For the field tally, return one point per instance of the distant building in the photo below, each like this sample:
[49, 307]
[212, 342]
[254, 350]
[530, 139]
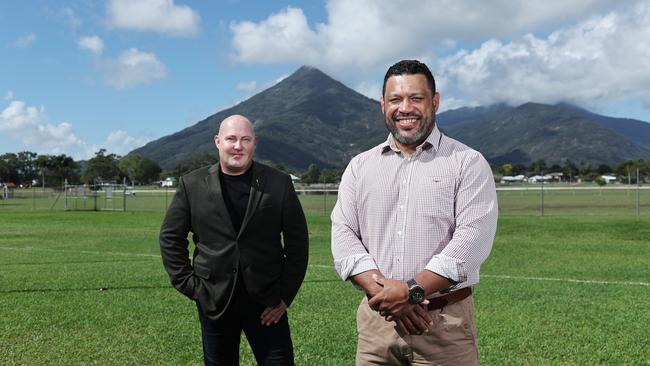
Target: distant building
[510, 179]
[295, 179]
[169, 182]
[554, 177]
[608, 178]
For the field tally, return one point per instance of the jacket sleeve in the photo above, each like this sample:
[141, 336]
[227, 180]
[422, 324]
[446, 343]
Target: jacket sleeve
[174, 244]
[296, 244]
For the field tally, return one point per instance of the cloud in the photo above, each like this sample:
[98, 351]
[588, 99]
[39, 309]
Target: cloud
[71, 18]
[93, 44]
[289, 31]
[371, 33]
[247, 87]
[161, 16]
[588, 52]
[121, 143]
[598, 60]
[25, 40]
[279, 79]
[30, 126]
[369, 89]
[9, 95]
[133, 67]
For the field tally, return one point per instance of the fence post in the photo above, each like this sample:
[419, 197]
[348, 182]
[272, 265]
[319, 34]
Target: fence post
[33, 198]
[65, 195]
[638, 188]
[542, 194]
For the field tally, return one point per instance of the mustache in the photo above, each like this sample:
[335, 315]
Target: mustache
[406, 115]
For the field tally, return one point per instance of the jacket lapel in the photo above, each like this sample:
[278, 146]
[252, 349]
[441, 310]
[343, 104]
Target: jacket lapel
[216, 196]
[257, 187]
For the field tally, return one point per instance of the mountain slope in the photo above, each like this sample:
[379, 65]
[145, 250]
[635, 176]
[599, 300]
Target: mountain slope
[555, 133]
[311, 118]
[306, 118]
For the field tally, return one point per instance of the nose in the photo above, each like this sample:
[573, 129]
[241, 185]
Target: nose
[238, 145]
[405, 106]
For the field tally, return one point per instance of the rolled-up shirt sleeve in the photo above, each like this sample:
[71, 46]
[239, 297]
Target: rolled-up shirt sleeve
[476, 213]
[350, 255]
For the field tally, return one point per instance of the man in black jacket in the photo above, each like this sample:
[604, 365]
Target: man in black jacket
[251, 249]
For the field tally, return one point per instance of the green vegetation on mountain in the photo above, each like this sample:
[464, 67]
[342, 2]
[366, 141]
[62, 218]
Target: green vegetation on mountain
[310, 118]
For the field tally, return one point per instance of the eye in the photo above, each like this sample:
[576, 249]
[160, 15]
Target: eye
[417, 99]
[231, 139]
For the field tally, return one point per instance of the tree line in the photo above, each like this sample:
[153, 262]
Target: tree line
[625, 171]
[26, 168]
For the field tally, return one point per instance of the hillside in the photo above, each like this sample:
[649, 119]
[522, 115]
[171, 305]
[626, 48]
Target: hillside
[535, 131]
[306, 118]
[311, 118]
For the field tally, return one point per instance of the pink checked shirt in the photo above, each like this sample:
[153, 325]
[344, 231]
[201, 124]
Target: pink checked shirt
[435, 209]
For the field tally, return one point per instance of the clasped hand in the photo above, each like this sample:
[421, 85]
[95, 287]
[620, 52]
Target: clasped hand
[392, 303]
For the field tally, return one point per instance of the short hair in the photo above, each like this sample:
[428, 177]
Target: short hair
[410, 67]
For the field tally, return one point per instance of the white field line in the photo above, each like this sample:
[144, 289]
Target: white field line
[82, 252]
[572, 280]
[626, 283]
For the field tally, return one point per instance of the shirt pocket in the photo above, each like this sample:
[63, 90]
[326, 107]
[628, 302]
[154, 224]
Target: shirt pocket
[436, 196]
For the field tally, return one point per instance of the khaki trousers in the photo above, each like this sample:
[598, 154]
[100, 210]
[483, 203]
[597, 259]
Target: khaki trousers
[451, 339]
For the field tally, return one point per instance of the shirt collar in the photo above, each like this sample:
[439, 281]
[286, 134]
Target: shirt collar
[431, 142]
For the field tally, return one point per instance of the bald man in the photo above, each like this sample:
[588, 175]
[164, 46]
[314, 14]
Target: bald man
[250, 249]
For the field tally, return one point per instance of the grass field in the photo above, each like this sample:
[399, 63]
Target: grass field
[80, 288]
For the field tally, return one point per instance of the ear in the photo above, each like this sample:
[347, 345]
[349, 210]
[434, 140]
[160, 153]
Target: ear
[381, 104]
[436, 102]
[217, 141]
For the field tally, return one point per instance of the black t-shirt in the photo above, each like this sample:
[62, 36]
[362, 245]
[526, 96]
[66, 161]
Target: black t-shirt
[236, 191]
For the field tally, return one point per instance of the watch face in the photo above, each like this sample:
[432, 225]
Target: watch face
[416, 294]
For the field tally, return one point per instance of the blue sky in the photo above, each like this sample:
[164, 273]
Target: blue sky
[76, 76]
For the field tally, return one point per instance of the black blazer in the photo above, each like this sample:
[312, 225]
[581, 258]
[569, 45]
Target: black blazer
[270, 270]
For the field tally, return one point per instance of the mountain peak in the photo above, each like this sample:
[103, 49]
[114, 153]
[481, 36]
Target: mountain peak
[309, 76]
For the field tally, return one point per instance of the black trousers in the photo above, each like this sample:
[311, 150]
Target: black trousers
[271, 345]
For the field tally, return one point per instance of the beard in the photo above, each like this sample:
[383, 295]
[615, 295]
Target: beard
[424, 128]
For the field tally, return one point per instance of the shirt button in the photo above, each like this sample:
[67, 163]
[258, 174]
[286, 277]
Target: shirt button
[399, 232]
[401, 207]
[404, 181]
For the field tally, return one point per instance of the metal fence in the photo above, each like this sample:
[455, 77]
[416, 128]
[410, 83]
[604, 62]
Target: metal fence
[525, 199]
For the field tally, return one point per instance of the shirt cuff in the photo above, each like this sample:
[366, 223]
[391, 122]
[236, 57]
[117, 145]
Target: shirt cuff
[353, 265]
[451, 268]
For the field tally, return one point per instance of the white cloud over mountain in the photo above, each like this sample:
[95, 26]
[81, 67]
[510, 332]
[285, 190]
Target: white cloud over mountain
[600, 59]
[162, 16]
[502, 51]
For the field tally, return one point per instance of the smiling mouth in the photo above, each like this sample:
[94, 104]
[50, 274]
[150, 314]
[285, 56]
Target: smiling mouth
[407, 122]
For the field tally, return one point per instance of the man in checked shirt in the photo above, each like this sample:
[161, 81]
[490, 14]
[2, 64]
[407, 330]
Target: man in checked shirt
[415, 218]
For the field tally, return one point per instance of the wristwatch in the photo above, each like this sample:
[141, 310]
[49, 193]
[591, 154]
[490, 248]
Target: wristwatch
[416, 292]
